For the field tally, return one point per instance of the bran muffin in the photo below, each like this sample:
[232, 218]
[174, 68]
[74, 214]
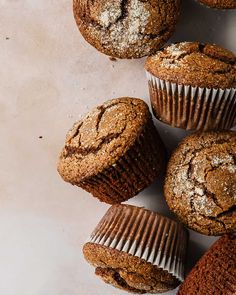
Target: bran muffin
[200, 185]
[215, 272]
[114, 152]
[126, 28]
[220, 4]
[138, 250]
[193, 86]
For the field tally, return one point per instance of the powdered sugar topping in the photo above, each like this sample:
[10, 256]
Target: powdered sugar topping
[227, 161]
[110, 13]
[125, 25]
[191, 181]
[175, 51]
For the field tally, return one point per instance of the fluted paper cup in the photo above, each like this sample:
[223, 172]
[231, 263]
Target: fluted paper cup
[192, 108]
[144, 234]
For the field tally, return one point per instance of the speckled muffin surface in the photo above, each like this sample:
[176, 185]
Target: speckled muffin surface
[195, 64]
[215, 272]
[128, 272]
[221, 4]
[104, 135]
[137, 250]
[104, 151]
[126, 29]
[200, 185]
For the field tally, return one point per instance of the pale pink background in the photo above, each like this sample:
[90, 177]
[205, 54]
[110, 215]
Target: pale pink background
[49, 76]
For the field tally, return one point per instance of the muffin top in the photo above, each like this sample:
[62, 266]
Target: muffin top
[224, 4]
[215, 271]
[102, 137]
[127, 272]
[194, 64]
[126, 29]
[200, 185]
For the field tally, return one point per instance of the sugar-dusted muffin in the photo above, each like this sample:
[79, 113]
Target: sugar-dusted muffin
[114, 152]
[126, 29]
[200, 184]
[220, 4]
[138, 250]
[215, 272]
[193, 86]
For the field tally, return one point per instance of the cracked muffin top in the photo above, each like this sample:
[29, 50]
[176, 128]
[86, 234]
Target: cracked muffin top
[194, 64]
[223, 4]
[126, 28]
[102, 137]
[200, 185]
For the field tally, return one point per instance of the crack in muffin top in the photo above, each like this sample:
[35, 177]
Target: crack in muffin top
[195, 64]
[200, 186]
[126, 28]
[102, 137]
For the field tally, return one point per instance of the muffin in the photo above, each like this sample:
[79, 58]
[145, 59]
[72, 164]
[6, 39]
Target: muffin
[200, 184]
[193, 86]
[137, 250]
[126, 29]
[114, 152]
[215, 272]
[221, 4]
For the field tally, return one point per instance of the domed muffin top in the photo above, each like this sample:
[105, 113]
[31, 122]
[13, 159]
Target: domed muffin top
[101, 137]
[126, 28]
[194, 64]
[200, 185]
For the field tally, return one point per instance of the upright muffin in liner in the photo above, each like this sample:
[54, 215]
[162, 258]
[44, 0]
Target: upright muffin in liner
[141, 233]
[116, 153]
[193, 86]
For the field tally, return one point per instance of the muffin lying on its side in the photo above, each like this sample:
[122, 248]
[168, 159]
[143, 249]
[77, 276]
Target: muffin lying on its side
[200, 185]
[138, 250]
[193, 86]
[114, 152]
[215, 272]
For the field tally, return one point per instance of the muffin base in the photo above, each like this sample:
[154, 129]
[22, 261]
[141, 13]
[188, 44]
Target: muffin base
[192, 108]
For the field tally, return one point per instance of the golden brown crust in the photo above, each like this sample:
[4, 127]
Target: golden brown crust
[128, 272]
[215, 272]
[220, 4]
[114, 152]
[126, 28]
[195, 64]
[102, 137]
[200, 185]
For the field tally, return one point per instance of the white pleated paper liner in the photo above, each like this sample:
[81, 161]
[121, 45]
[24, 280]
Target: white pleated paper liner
[192, 108]
[144, 234]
